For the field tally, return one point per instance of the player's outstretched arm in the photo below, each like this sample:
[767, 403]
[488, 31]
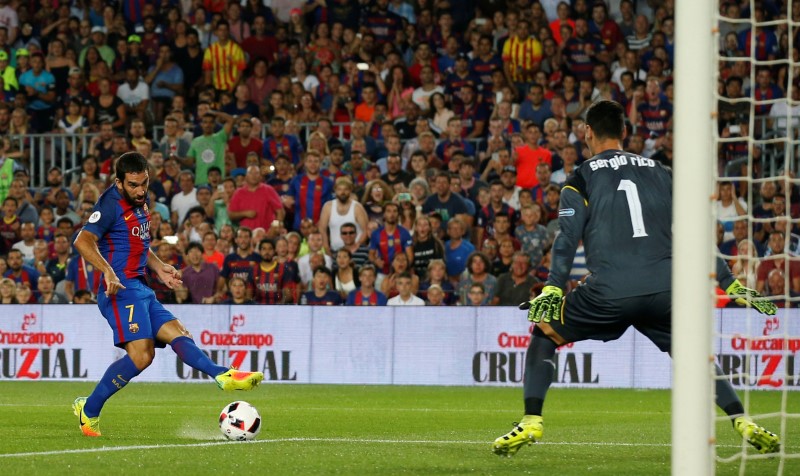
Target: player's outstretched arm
[86, 244]
[166, 272]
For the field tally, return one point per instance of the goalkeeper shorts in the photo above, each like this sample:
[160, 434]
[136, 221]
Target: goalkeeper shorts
[585, 315]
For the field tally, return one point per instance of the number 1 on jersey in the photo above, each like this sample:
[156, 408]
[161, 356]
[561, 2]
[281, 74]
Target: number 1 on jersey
[634, 206]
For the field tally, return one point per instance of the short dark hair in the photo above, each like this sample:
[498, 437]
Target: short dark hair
[323, 269]
[607, 119]
[194, 246]
[266, 240]
[130, 162]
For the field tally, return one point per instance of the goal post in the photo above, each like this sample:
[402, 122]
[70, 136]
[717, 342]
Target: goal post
[693, 417]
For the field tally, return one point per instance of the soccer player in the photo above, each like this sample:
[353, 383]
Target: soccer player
[116, 241]
[623, 215]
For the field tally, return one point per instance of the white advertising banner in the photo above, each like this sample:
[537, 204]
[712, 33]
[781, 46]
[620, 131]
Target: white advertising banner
[385, 345]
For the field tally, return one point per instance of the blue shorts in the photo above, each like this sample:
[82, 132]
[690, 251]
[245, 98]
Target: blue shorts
[133, 313]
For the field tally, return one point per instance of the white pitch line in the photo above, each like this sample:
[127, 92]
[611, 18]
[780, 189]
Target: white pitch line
[107, 449]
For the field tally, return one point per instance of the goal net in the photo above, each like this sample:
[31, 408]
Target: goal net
[753, 125]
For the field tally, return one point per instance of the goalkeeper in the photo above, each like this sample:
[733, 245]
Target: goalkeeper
[620, 206]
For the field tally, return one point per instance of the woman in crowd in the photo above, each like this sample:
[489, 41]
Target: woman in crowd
[505, 255]
[376, 194]
[400, 265]
[108, 107]
[437, 275]
[345, 275]
[440, 111]
[8, 291]
[478, 267]
[425, 247]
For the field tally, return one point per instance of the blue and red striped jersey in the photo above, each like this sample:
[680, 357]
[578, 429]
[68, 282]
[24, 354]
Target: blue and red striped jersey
[309, 196]
[123, 231]
[388, 245]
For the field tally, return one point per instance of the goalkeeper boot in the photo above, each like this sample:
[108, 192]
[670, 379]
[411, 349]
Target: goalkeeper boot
[238, 380]
[762, 439]
[89, 426]
[528, 431]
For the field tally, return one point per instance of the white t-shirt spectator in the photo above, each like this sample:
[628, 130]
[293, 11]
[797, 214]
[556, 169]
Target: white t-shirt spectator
[412, 301]
[421, 97]
[132, 97]
[304, 265]
[181, 204]
[26, 250]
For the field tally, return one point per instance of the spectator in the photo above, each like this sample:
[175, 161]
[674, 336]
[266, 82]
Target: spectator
[745, 265]
[134, 93]
[456, 249]
[40, 87]
[165, 80]
[522, 54]
[389, 240]
[478, 269]
[445, 203]
[536, 108]
[240, 263]
[515, 286]
[309, 191]
[27, 233]
[778, 258]
[8, 291]
[476, 295]
[366, 294]
[437, 276]
[428, 88]
[241, 106]
[47, 293]
[343, 209]
[435, 296]
[278, 143]
[453, 141]
[201, 278]
[400, 266]
[425, 247]
[529, 156]
[245, 142]
[19, 272]
[405, 296]
[223, 61]
[345, 274]
[275, 282]
[238, 292]
[320, 293]
[56, 267]
[729, 207]
[315, 247]
[256, 204]
[208, 150]
[359, 253]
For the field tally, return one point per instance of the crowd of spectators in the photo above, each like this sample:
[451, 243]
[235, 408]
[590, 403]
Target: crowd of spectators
[366, 152]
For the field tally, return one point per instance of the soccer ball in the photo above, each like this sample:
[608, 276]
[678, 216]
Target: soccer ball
[239, 421]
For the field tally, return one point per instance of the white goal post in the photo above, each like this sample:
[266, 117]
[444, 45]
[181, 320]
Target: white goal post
[693, 417]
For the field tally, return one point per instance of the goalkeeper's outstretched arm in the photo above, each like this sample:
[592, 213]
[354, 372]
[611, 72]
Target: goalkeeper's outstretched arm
[742, 295]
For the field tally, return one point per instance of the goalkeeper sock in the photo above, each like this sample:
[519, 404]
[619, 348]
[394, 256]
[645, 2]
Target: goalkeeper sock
[727, 399]
[192, 356]
[539, 371]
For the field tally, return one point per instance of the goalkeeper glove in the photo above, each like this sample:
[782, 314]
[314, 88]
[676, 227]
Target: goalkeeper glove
[545, 306]
[750, 297]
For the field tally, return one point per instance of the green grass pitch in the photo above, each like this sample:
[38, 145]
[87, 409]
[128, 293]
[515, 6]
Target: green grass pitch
[328, 429]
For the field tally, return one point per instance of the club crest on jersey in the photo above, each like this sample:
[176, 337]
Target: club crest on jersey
[566, 212]
[134, 328]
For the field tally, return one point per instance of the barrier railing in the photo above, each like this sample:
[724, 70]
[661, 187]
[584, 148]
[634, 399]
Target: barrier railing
[42, 151]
